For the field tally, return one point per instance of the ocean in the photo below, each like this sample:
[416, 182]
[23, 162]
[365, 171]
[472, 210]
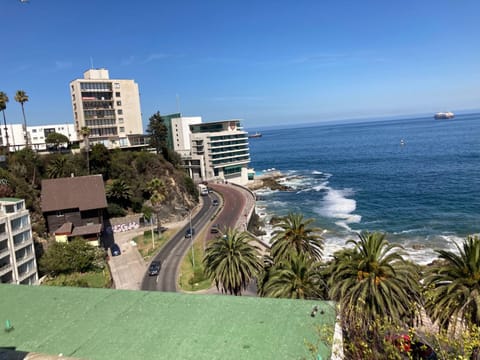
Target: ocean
[417, 180]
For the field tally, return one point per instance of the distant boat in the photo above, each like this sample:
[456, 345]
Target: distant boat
[444, 115]
[256, 135]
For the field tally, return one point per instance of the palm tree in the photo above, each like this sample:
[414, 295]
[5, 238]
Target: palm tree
[453, 287]
[85, 132]
[298, 278]
[372, 282]
[22, 97]
[295, 236]
[232, 261]
[58, 168]
[3, 106]
[118, 191]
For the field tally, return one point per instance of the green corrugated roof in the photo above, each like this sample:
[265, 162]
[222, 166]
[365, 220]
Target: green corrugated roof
[121, 324]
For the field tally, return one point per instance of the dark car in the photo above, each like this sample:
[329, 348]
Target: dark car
[215, 229]
[190, 232]
[215, 202]
[154, 268]
[115, 249]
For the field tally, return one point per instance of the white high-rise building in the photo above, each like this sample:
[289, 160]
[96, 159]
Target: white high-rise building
[211, 151]
[17, 251]
[109, 108]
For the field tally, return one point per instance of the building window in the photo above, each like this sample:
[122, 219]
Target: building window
[117, 85]
[122, 129]
[120, 112]
[119, 103]
[120, 120]
[34, 130]
[117, 94]
[59, 213]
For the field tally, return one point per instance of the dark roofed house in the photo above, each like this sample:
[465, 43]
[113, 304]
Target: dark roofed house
[74, 206]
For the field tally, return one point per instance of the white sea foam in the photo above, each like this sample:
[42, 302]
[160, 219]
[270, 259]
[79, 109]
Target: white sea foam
[337, 205]
[265, 192]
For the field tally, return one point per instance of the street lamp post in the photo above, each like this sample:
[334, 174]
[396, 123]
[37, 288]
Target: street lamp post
[191, 239]
[153, 235]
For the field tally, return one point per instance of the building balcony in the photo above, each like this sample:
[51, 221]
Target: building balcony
[4, 252]
[26, 274]
[22, 244]
[5, 268]
[22, 260]
[231, 163]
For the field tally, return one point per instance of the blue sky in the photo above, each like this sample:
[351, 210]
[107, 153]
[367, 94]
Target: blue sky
[266, 62]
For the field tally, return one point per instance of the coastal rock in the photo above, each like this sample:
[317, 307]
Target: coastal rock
[270, 181]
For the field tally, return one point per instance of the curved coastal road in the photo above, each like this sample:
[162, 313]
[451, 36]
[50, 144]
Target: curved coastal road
[172, 253]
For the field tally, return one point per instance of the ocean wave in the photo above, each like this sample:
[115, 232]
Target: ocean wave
[265, 192]
[336, 204]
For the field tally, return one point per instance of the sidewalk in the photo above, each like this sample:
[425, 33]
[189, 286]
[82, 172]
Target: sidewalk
[129, 268]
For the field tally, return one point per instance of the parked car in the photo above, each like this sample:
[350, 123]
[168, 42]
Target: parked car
[115, 249]
[215, 202]
[154, 268]
[190, 232]
[215, 229]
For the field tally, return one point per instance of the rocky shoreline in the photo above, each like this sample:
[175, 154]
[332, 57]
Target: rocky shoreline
[269, 180]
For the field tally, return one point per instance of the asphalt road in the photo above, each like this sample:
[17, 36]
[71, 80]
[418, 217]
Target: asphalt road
[172, 253]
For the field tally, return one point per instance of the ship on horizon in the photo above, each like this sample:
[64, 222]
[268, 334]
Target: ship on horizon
[256, 135]
[444, 115]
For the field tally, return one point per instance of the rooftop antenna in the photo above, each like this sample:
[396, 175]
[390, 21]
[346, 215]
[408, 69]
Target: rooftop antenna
[91, 63]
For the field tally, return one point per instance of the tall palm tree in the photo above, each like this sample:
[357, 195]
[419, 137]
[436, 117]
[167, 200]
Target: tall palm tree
[3, 106]
[453, 286]
[22, 97]
[232, 261]
[85, 132]
[298, 278]
[296, 236]
[374, 282]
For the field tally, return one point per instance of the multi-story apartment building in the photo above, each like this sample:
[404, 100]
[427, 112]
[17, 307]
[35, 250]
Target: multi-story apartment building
[211, 151]
[224, 146]
[17, 252]
[36, 135]
[109, 108]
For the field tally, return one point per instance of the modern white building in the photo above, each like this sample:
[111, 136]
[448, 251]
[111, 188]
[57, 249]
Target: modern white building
[109, 108]
[36, 135]
[211, 151]
[17, 252]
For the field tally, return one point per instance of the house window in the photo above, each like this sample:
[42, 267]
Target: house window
[117, 85]
[117, 94]
[120, 112]
[59, 213]
[119, 103]
[120, 120]
[122, 129]
[34, 130]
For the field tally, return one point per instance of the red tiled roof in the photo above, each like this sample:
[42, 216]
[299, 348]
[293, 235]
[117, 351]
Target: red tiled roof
[81, 192]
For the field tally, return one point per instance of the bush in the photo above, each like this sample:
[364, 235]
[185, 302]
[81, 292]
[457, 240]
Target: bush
[115, 210]
[66, 258]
